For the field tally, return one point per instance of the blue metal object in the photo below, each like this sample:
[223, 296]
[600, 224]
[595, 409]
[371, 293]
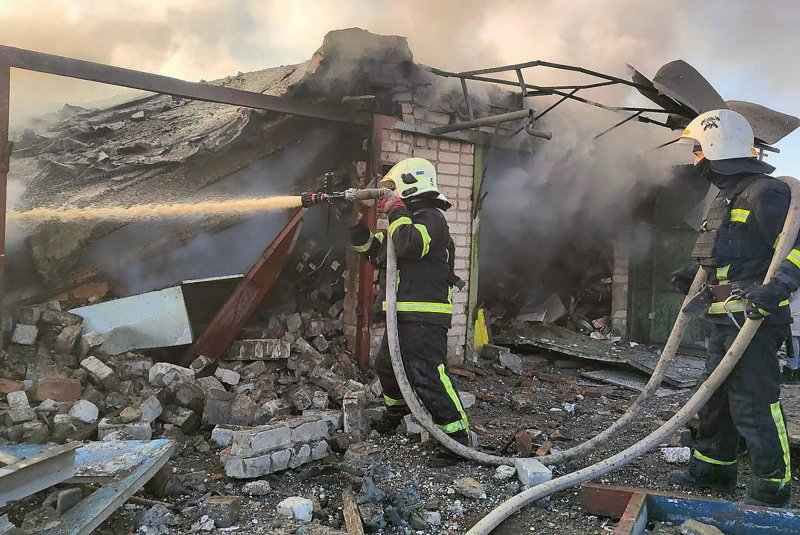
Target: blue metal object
[731, 517]
[145, 459]
[125, 465]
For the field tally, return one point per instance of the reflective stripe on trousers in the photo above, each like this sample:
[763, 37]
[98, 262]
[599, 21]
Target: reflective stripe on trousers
[463, 423]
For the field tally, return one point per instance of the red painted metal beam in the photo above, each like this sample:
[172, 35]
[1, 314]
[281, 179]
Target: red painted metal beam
[366, 271]
[97, 72]
[247, 297]
[605, 500]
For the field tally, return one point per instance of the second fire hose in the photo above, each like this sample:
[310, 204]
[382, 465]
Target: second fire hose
[702, 395]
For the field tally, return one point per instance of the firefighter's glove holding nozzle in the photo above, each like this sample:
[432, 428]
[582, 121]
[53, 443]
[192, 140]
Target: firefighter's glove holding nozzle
[390, 203]
[682, 279]
[765, 299]
[346, 212]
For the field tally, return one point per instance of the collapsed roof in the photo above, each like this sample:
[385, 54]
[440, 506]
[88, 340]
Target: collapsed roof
[159, 148]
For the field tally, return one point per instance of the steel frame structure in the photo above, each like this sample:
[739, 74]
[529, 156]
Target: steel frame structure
[566, 92]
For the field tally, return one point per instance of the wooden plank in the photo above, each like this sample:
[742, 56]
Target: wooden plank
[92, 511]
[352, 518]
[625, 379]
[39, 467]
[634, 518]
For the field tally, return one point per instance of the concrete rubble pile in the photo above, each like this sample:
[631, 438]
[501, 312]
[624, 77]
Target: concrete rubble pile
[273, 401]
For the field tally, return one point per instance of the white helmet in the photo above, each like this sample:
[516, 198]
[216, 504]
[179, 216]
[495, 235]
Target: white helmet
[412, 177]
[722, 134]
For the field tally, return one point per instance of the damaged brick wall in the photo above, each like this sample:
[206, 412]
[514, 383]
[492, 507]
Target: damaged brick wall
[454, 161]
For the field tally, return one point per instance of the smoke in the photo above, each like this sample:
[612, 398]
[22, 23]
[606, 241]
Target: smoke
[566, 201]
[549, 219]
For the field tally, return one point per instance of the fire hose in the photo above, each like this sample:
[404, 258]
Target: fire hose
[416, 407]
[701, 396]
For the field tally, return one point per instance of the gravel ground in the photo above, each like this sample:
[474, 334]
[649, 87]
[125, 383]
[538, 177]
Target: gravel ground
[405, 470]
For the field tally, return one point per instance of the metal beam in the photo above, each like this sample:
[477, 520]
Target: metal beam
[247, 296]
[366, 271]
[38, 472]
[107, 74]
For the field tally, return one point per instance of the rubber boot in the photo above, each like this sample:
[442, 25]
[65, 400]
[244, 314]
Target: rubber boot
[387, 425]
[443, 457]
[767, 493]
[704, 475]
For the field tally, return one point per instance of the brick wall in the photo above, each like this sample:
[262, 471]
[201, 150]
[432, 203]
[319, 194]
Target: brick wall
[454, 165]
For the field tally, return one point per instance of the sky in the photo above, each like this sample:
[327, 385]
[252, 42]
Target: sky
[746, 49]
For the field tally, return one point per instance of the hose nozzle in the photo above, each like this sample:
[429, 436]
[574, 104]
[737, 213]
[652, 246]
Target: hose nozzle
[349, 195]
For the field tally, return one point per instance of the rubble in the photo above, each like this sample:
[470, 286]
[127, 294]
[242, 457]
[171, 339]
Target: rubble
[470, 488]
[676, 455]
[504, 472]
[511, 362]
[84, 411]
[257, 488]
[258, 451]
[297, 507]
[25, 335]
[19, 409]
[223, 510]
[694, 527]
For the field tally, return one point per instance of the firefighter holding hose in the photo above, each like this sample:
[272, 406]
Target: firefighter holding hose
[425, 259]
[736, 245]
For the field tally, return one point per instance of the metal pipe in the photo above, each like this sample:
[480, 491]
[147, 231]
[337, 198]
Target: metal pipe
[5, 157]
[107, 74]
[492, 120]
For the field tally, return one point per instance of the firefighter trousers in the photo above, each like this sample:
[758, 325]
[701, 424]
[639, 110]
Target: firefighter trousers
[747, 405]
[424, 349]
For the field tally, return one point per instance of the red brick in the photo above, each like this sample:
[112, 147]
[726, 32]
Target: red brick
[57, 388]
[8, 385]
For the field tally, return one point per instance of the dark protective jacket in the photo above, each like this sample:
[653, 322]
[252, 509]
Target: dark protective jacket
[738, 237]
[425, 259]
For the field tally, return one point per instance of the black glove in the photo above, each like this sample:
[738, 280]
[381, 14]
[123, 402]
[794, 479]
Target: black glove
[682, 278]
[346, 212]
[764, 299]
